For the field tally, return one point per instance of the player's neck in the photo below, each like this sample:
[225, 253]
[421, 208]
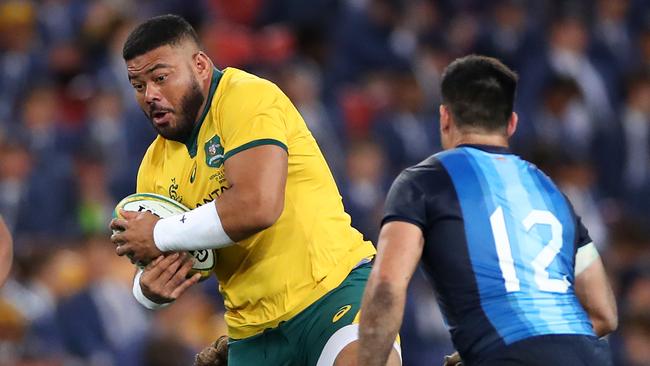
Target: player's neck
[471, 138]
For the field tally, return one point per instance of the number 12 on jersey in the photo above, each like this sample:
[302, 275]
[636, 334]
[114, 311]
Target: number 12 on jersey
[543, 259]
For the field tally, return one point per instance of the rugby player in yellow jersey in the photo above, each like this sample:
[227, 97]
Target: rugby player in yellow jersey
[233, 147]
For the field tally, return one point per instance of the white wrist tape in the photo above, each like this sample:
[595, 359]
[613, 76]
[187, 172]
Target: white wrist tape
[197, 229]
[585, 256]
[143, 300]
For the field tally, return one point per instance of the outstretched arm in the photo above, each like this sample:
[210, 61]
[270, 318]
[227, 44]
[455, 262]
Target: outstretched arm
[398, 252]
[6, 252]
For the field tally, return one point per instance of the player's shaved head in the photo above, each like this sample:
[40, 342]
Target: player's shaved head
[159, 31]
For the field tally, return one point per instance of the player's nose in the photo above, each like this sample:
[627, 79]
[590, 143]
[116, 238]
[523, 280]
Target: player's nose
[152, 94]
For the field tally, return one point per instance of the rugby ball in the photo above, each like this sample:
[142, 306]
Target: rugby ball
[163, 207]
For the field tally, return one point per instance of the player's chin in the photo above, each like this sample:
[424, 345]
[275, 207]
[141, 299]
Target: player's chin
[168, 131]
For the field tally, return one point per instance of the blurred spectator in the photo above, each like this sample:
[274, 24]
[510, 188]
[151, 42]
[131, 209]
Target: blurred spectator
[625, 152]
[360, 105]
[405, 132]
[21, 60]
[42, 125]
[430, 62]
[15, 169]
[13, 326]
[362, 42]
[420, 22]
[101, 324]
[95, 206]
[109, 141]
[630, 244]
[562, 121]
[565, 55]
[636, 337]
[45, 275]
[365, 188]
[613, 41]
[42, 176]
[644, 49]
[302, 85]
[507, 34]
[462, 34]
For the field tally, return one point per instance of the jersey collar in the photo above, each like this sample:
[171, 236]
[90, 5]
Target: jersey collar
[191, 142]
[489, 148]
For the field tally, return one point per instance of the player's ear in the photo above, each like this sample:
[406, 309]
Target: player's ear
[512, 124]
[202, 65]
[445, 119]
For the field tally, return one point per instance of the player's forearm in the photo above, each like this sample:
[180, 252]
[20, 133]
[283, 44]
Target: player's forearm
[604, 315]
[239, 213]
[597, 298]
[381, 318]
[6, 252]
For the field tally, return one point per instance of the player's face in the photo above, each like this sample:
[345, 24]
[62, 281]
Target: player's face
[167, 90]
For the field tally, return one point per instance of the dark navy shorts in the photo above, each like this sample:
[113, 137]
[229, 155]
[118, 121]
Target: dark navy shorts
[551, 350]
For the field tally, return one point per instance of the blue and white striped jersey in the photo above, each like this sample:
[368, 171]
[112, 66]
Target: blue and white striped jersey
[500, 245]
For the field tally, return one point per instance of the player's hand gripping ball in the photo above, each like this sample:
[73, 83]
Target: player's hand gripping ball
[163, 207]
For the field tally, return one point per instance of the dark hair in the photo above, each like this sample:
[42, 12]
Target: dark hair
[479, 92]
[156, 32]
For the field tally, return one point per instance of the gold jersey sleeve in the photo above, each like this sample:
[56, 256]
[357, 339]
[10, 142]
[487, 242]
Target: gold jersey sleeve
[278, 272]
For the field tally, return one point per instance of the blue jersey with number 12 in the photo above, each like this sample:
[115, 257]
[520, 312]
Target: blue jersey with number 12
[500, 245]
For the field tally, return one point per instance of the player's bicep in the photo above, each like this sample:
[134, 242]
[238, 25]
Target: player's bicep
[262, 167]
[399, 249]
[258, 176]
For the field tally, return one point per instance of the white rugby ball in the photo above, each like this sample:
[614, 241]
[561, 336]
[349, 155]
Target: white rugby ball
[163, 207]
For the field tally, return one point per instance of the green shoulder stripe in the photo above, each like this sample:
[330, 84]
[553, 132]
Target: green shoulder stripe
[255, 143]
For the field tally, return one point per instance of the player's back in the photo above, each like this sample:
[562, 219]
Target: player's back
[500, 244]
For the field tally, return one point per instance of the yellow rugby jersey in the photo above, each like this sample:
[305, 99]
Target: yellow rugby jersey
[278, 272]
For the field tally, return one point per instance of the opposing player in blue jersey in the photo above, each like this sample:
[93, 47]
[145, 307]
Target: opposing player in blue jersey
[517, 276]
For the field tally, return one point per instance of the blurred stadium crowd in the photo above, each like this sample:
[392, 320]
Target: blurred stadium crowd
[364, 74]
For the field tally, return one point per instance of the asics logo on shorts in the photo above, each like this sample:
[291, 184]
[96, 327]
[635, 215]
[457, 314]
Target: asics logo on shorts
[342, 311]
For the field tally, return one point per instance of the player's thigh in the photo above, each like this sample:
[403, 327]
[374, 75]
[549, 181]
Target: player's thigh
[268, 348]
[334, 319]
[348, 356]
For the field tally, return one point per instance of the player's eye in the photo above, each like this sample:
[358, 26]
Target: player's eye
[138, 87]
[161, 78]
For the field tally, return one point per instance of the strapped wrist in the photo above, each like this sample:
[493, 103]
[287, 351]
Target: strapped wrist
[197, 229]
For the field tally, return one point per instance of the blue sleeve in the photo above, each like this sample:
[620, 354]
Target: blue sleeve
[406, 202]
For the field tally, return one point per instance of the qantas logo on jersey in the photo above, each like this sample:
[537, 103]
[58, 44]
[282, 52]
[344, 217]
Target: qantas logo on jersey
[214, 152]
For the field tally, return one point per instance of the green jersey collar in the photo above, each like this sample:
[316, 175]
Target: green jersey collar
[191, 142]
